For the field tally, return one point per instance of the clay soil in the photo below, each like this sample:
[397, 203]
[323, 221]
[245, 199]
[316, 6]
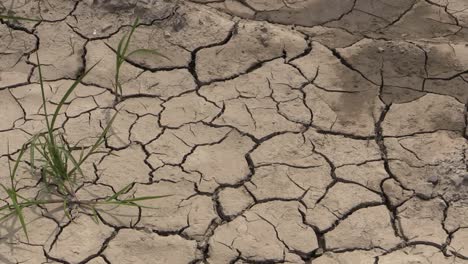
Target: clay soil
[286, 131]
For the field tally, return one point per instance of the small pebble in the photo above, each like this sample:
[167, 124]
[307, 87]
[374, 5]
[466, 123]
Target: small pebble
[434, 179]
[381, 49]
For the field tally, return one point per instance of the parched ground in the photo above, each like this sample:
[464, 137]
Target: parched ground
[286, 131]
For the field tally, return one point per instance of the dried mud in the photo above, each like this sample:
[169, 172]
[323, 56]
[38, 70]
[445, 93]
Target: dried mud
[314, 131]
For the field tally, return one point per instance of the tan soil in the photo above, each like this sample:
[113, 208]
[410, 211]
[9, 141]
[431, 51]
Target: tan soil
[306, 132]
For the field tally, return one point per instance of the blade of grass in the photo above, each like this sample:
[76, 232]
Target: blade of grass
[143, 198]
[68, 93]
[15, 167]
[68, 153]
[65, 209]
[121, 52]
[117, 194]
[41, 82]
[98, 142]
[120, 203]
[7, 215]
[127, 44]
[94, 216]
[118, 64]
[18, 211]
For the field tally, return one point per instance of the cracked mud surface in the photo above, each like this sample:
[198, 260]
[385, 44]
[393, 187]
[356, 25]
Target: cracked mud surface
[314, 131]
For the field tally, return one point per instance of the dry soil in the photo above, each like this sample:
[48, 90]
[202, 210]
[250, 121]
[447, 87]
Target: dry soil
[286, 131]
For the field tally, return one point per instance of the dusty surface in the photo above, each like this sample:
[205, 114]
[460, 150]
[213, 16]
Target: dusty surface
[313, 131]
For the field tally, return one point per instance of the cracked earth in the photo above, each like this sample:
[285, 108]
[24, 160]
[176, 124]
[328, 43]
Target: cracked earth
[286, 131]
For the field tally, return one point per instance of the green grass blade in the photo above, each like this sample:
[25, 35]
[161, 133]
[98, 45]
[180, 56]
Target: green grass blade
[31, 153]
[98, 142]
[143, 198]
[117, 194]
[67, 94]
[56, 163]
[67, 151]
[44, 102]
[120, 203]
[18, 160]
[18, 211]
[119, 50]
[5, 206]
[127, 43]
[118, 63]
[94, 216]
[121, 55]
[7, 215]
[4, 188]
[23, 198]
[65, 210]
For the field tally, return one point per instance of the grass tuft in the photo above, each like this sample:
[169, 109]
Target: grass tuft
[60, 168]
